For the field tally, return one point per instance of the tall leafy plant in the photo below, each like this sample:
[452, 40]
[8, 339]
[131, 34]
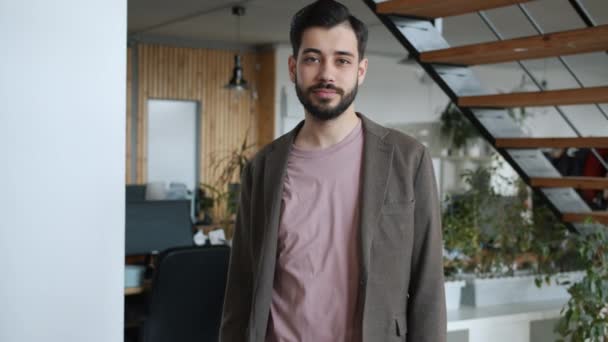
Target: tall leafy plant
[492, 235]
[455, 127]
[462, 223]
[585, 317]
[224, 191]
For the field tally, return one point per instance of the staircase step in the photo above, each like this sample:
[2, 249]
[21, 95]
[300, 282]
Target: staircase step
[599, 142]
[549, 45]
[542, 98]
[571, 182]
[439, 8]
[596, 216]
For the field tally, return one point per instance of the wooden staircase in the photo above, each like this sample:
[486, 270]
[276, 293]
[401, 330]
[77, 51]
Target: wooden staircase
[411, 22]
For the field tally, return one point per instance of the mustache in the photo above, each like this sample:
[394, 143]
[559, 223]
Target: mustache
[326, 86]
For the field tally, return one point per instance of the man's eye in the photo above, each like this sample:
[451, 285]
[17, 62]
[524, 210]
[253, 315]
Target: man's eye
[343, 61]
[311, 59]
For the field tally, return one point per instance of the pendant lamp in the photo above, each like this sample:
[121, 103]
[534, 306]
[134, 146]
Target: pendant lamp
[237, 82]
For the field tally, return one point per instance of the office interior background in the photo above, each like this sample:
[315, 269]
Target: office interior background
[105, 97]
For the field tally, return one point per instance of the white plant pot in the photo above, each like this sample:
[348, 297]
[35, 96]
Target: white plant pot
[519, 289]
[473, 148]
[453, 290]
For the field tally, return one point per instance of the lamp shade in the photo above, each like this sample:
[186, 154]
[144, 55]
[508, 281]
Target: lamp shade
[237, 81]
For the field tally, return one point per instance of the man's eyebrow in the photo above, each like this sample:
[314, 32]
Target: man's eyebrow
[308, 50]
[345, 53]
[317, 51]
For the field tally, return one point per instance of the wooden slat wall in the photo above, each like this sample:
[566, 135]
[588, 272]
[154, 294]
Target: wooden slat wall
[266, 96]
[128, 118]
[194, 74]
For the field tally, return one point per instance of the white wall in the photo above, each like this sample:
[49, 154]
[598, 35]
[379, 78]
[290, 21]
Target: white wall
[62, 137]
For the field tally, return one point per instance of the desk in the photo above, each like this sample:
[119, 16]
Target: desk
[141, 261]
[136, 301]
[129, 291]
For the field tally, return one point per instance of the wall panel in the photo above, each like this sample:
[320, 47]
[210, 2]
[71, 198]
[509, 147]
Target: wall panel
[194, 74]
[266, 96]
[128, 118]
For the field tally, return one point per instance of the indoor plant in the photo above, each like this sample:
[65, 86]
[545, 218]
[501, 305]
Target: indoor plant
[224, 191]
[500, 245]
[585, 316]
[456, 130]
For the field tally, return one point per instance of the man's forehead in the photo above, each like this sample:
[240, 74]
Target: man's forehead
[340, 38]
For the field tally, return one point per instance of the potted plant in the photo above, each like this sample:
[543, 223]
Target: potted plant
[224, 192]
[456, 130]
[461, 236]
[500, 246]
[204, 203]
[585, 316]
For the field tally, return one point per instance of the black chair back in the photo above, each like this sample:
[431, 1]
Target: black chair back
[187, 295]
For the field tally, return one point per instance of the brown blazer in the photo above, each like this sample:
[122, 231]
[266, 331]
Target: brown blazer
[401, 246]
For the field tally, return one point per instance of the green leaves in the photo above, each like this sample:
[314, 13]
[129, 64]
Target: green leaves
[586, 314]
[493, 235]
[455, 127]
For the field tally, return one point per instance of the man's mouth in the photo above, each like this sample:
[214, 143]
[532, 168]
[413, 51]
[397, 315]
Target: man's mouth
[325, 93]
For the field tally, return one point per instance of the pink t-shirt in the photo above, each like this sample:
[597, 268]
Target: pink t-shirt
[317, 274]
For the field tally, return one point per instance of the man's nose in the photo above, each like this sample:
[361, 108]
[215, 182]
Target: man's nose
[326, 73]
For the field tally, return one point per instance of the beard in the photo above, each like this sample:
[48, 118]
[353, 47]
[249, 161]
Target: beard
[324, 111]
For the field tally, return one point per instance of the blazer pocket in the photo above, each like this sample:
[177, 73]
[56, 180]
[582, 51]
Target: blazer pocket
[400, 325]
[396, 208]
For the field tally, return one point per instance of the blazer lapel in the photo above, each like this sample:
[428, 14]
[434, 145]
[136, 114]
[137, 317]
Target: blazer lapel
[275, 166]
[274, 170]
[377, 159]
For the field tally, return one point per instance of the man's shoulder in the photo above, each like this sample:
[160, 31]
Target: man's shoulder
[259, 158]
[403, 142]
[407, 150]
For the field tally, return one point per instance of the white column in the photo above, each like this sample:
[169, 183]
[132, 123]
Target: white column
[62, 172]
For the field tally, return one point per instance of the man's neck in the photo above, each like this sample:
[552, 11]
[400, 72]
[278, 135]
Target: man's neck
[317, 134]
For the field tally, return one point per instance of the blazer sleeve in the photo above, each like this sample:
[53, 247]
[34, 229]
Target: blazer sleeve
[426, 304]
[239, 286]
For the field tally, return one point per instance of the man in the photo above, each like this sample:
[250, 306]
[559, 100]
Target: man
[338, 234]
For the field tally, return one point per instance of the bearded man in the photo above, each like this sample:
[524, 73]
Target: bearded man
[338, 233]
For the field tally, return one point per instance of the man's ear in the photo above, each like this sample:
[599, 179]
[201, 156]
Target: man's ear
[292, 68]
[362, 70]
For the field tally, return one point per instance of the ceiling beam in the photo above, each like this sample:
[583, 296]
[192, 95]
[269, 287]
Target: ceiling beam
[594, 216]
[598, 183]
[542, 46]
[541, 98]
[439, 8]
[599, 142]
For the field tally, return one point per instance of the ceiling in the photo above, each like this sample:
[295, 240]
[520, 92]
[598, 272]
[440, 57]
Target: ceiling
[210, 23]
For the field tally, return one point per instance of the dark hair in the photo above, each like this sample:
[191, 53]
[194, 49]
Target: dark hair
[327, 14]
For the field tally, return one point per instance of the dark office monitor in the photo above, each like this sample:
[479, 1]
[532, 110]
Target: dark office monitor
[135, 193]
[157, 225]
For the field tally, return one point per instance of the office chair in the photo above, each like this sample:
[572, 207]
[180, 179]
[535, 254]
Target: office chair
[187, 295]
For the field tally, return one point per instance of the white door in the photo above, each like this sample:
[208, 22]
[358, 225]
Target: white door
[172, 142]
